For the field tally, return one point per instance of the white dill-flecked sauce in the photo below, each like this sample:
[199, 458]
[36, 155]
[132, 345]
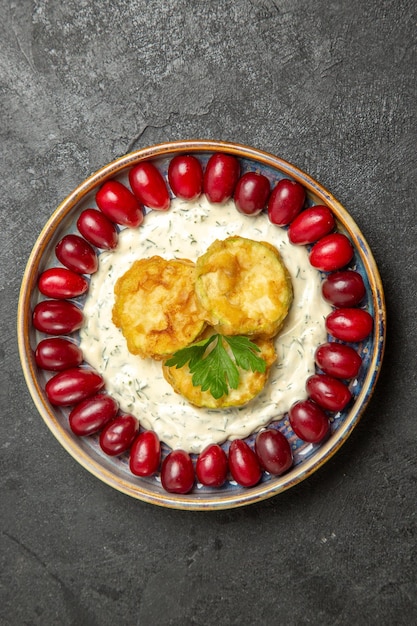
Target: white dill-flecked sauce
[185, 231]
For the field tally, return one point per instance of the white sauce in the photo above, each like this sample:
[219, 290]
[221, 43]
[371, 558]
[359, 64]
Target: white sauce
[185, 231]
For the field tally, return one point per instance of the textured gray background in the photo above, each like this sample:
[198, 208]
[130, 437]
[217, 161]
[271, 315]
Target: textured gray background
[329, 86]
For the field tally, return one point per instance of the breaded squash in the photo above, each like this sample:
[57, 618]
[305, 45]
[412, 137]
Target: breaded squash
[244, 287]
[250, 383]
[156, 307]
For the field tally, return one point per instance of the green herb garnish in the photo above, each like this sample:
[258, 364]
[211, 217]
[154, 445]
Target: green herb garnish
[212, 366]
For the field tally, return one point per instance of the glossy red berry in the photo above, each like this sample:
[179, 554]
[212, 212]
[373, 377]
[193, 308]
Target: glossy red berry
[118, 435]
[119, 204]
[311, 224]
[177, 472]
[76, 254]
[345, 288]
[145, 454]
[149, 186]
[328, 392]
[251, 193]
[347, 324]
[211, 466]
[309, 422]
[90, 415]
[273, 451]
[220, 177]
[185, 176]
[286, 201]
[331, 252]
[338, 360]
[243, 464]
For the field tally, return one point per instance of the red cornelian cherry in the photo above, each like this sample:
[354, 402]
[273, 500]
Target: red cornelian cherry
[220, 177]
[61, 283]
[76, 254]
[309, 422]
[328, 392]
[345, 288]
[310, 225]
[98, 229]
[331, 252]
[57, 354]
[273, 451]
[90, 415]
[177, 472]
[351, 325]
[251, 193]
[119, 204]
[185, 176]
[243, 464]
[73, 385]
[145, 454]
[57, 317]
[117, 436]
[149, 186]
[338, 360]
[211, 466]
[286, 201]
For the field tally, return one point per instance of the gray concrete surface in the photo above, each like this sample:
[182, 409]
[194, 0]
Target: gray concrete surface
[329, 86]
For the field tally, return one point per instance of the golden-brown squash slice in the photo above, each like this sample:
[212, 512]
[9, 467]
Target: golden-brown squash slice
[250, 383]
[156, 307]
[244, 287]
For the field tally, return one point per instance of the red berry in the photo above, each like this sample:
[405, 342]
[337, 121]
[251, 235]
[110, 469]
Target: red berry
[72, 386]
[251, 193]
[118, 435]
[350, 325]
[119, 204]
[220, 177]
[308, 421]
[57, 353]
[211, 466]
[332, 252]
[286, 201]
[243, 464]
[145, 454]
[98, 229]
[344, 289]
[330, 393]
[338, 360]
[311, 225]
[185, 175]
[61, 283]
[90, 415]
[76, 254]
[177, 472]
[273, 451]
[57, 317]
[149, 186]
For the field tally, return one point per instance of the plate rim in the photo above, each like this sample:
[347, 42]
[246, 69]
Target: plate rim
[192, 501]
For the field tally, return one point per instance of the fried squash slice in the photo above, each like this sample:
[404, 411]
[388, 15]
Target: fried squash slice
[156, 307]
[244, 287]
[250, 383]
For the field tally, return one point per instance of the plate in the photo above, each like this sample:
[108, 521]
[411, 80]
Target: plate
[114, 471]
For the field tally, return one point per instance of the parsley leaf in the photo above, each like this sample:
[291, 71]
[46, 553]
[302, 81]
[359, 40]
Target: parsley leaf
[244, 352]
[215, 370]
[192, 353]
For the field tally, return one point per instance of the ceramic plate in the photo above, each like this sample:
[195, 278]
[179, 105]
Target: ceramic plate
[115, 470]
